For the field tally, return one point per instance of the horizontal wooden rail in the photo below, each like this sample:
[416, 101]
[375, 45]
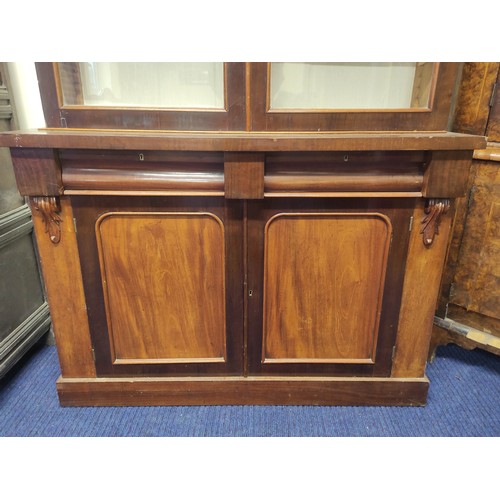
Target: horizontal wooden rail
[242, 141]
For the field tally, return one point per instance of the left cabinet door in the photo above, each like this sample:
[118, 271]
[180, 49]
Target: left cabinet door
[163, 280]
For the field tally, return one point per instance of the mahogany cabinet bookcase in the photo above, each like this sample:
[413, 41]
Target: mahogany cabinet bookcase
[243, 233]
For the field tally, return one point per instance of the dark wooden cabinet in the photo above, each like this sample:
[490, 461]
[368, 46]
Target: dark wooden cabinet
[268, 264]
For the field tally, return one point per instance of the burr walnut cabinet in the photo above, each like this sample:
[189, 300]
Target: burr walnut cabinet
[243, 248]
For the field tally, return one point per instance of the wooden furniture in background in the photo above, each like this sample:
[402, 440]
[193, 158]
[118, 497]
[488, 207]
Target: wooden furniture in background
[276, 265]
[469, 305]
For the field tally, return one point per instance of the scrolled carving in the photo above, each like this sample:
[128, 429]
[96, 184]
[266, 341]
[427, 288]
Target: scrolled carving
[49, 209]
[434, 209]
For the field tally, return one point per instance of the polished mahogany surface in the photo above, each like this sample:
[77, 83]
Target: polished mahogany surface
[244, 256]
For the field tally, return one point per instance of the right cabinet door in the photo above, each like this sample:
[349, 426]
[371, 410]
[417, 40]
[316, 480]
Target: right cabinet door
[324, 284]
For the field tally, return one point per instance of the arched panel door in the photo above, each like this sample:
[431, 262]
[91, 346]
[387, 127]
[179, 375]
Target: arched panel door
[325, 279]
[161, 281]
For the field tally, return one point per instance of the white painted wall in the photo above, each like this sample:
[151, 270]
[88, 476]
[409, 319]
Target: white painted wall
[26, 95]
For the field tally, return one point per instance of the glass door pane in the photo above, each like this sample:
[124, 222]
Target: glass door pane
[350, 86]
[147, 85]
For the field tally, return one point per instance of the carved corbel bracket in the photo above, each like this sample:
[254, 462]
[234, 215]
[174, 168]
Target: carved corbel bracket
[434, 209]
[49, 209]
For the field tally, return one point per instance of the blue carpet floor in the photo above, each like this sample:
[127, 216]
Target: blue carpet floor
[464, 400]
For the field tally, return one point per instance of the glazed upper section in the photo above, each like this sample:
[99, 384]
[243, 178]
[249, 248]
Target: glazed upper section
[248, 97]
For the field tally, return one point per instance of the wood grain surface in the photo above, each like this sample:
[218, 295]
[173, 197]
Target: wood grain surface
[37, 172]
[244, 175]
[343, 179]
[150, 177]
[319, 269]
[241, 141]
[446, 174]
[471, 274]
[296, 297]
[473, 100]
[477, 278]
[420, 292]
[63, 282]
[493, 129]
[239, 391]
[163, 278]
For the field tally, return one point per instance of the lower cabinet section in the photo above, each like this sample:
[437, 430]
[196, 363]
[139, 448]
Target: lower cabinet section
[217, 295]
[177, 279]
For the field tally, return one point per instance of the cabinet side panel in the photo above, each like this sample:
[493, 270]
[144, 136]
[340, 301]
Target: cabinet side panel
[163, 277]
[420, 292]
[63, 282]
[319, 268]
